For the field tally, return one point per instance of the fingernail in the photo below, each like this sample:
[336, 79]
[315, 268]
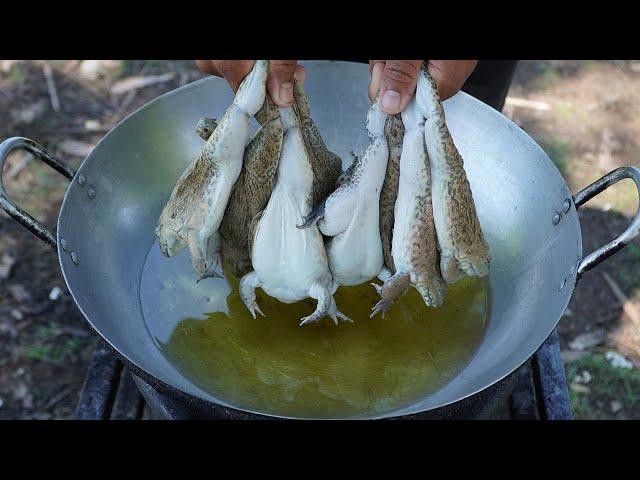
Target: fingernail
[299, 76]
[286, 92]
[391, 100]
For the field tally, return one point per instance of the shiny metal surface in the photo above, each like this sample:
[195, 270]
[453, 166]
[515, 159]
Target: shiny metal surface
[625, 237]
[131, 172]
[21, 216]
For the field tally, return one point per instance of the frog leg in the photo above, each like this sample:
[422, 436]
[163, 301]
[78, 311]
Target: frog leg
[205, 253]
[346, 175]
[205, 127]
[171, 242]
[392, 289]
[432, 291]
[314, 217]
[334, 215]
[384, 274]
[248, 285]
[326, 306]
[252, 91]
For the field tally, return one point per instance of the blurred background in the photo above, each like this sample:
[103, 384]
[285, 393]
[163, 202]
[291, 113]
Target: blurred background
[585, 114]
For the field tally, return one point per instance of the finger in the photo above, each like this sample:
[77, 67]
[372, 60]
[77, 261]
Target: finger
[233, 71]
[376, 80]
[399, 84]
[280, 81]
[208, 67]
[301, 74]
[450, 75]
[372, 63]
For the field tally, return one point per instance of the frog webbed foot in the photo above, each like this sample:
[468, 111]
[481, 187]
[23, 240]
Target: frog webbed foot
[459, 263]
[392, 289]
[326, 307]
[205, 127]
[314, 217]
[432, 291]
[474, 264]
[248, 285]
[171, 242]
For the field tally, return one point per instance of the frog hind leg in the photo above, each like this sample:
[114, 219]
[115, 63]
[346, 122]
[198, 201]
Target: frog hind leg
[314, 217]
[248, 285]
[171, 242]
[392, 289]
[326, 307]
[205, 254]
[432, 291]
[205, 127]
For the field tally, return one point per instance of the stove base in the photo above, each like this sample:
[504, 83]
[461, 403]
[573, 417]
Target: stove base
[537, 390]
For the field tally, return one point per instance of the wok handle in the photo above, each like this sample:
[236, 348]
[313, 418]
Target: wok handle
[22, 217]
[626, 237]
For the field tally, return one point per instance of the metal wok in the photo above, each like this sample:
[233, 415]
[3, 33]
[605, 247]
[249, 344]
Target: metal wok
[106, 224]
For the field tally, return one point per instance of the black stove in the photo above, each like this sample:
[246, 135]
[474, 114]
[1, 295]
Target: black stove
[536, 391]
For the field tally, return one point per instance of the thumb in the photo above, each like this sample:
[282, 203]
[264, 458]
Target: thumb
[399, 84]
[282, 74]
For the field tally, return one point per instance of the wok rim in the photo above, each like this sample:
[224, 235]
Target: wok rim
[159, 384]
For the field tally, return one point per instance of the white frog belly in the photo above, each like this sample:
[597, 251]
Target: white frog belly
[289, 260]
[410, 186]
[353, 266]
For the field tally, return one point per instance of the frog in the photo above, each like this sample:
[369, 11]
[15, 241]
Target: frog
[289, 263]
[463, 248]
[252, 190]
[326, 165]
[350, 215]
[414, 244]
[194, 211]
[394, 132]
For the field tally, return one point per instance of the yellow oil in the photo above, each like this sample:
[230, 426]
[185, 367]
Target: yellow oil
[273, 366]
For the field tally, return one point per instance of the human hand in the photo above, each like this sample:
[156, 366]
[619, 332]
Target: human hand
[398, 79]
[282, 74]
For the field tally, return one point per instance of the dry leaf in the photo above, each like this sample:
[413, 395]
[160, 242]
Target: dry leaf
[131, 84]
[54, 294]
[19, 293]
[587, 340]
[93, 69]
[16, 162]
[6, 264]
[569, 356]
[578, 388]
[616, 406]
[30, 113]
[92, 125]
[617, 360]
[75, 148]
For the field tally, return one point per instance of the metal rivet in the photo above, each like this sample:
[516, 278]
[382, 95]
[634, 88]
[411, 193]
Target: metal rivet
[63, 244]
[91, 192]
[556, 218]
[566, 205]
[82, 180]
[563, 283]
[74, 257]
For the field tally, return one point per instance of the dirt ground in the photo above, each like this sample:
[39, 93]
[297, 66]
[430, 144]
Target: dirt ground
[585, 114]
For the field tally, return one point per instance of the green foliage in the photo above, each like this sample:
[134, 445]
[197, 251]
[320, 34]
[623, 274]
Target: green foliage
[607, 384]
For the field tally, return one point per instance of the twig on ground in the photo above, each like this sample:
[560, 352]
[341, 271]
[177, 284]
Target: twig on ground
[525, 103]
[51, 86]
[628, 306]
[73, 78]
[138, 82]
[64, 393]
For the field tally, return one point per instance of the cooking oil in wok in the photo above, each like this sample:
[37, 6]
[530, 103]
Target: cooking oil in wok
[274, 366]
